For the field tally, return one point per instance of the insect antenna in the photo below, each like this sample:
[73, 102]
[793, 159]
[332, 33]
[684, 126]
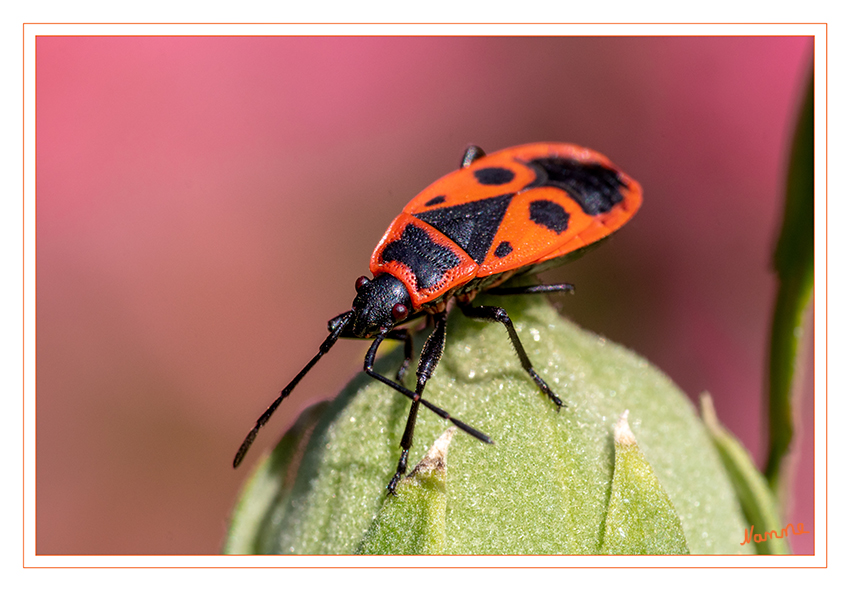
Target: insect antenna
[337, 326]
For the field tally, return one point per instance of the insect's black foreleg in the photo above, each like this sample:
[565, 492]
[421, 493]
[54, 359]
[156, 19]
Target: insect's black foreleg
[528, 289]
[416, 397]
[496, 314]
[428, 360]
[368, 368]
[402, 334]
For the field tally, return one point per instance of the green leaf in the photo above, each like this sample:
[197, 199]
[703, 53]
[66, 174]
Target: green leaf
[641, 519]
[413, 521]
[794, 262]
[757, 500]
[543, 487]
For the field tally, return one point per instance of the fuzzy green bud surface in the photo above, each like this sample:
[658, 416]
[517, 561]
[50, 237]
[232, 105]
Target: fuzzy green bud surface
[625, 467]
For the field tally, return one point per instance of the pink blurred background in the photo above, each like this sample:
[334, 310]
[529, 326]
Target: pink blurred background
[204, 206]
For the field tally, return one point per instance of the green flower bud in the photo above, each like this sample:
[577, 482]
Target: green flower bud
[582, 480]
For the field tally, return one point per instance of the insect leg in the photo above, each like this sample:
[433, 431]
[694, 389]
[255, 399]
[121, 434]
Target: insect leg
[428, 360]
[471, 154]
[527, 289]
[368, 365]
[496, 314]
[402, 334]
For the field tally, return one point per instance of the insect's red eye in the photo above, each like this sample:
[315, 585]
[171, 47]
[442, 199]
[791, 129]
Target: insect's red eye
[361, 281]
[400, 312]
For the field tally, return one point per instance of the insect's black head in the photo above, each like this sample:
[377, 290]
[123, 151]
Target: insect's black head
[381, 303]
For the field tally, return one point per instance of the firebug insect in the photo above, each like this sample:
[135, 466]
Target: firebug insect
[514, 212]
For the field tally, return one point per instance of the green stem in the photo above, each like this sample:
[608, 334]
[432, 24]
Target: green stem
[794, 263]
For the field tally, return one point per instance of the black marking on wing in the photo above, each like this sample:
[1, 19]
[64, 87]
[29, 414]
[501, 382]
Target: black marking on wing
[495, 175]
[596, 188]
[504, 249]
[549, 215]
[435, 200]
[428, 260]
[472, 226]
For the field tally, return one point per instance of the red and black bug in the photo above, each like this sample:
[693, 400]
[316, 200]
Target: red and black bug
[517, 211]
